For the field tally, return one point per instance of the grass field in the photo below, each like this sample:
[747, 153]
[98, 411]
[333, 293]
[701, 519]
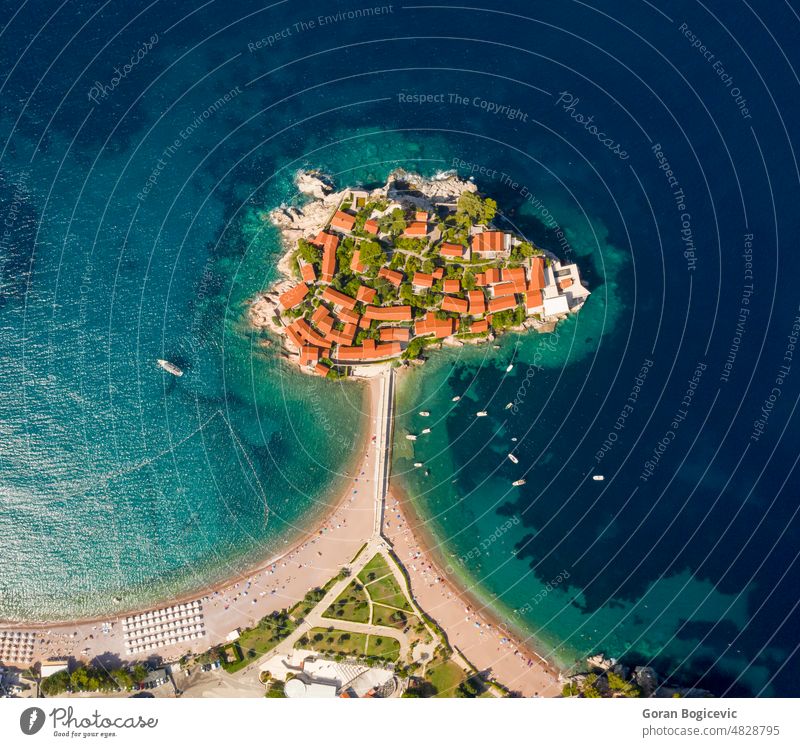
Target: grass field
[376, 568]
[445, 677]
[341, 642]
[352, 604]
[383, 647]
[392, 618]
[388, 592]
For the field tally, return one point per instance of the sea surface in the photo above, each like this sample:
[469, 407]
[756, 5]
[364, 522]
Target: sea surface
[651, 142]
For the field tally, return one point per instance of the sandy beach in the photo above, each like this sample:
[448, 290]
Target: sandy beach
[469, 625]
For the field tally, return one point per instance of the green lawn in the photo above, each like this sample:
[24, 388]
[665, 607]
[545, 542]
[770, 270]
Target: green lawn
[392, 618]
[334, 642]
[445, 677]
[255, 642]
[376, 568]
[352, 604]
[387, 591]
[383, 647]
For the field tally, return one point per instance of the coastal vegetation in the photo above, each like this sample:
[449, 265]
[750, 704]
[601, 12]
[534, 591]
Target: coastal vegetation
[341, 644]
[92, 679]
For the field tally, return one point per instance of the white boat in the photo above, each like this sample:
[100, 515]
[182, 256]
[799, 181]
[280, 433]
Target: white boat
[509, 405]
[417, 464]
[517, 483]
[481, 414]
[169, 367]
[455, 399]
[510, 366]
[513, 458]
[426, 430]
[411, 437]
[424, 414]
[514, 439]
[599, 478]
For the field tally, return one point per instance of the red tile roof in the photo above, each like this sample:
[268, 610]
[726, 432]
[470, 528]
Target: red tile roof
[370, 350]
[309, 334]
[307, 272]
[342, 336]
[393, 276]
[565, 283]
[438, 273]
[421, 215]
[451, 250]
[355, 262]
[480, 280]
[537, 274]
[308, 354]
[371, 226]
[430, 325]
[321, 369]
[489, 241]
[458, 305]
[328, 242]
[479, 326]
[492, 276]
[477, 302]
[504, 289]
[452, 285]
[416, 229]
[325, 239]
[342, 221]
[533, 299]
[401, 334]
[388, 313]
[501, 304]
[422, 280]
[338, 299]
[348, 315]
[513, 274]
[294, 335]
[365, 294]
[294, 296]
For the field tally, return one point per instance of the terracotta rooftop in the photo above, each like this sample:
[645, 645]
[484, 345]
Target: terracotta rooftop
[329, 245]
[502, 304]
[537, 274]
[492, 276]
[401, 334]
[458, 305]
[489, 241]
[307, 272]
[416, 229]
[565, 283]
[388, 313]
[309, 334]
[371, 226]
[477, 302]
[533, 300]
[421, 215]
[452, 285]
[393, 276]
[322, 369]
[338, 299]
[513, 274]
[505, 289]
[451, 250]
[342, 221]
[422, 280]
[438, 273]
[370, 350]
[294, 296]
[348, 315]
[430, 325]
[479, 326]
[480, 280]
[365, 294]
[308, 354]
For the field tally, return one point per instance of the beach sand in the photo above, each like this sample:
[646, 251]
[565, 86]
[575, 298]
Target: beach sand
[470, 626]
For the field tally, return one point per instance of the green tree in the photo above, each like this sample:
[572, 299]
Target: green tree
[372, 254]
[307, 251]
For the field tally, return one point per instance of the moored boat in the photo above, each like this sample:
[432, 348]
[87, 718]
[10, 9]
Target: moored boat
[513, 458]
[169, 367]
[599, 478]
[481, 414]
[517, 483]
[424, 414]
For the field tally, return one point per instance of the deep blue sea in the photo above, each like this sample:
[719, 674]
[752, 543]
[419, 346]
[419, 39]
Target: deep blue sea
[651, 142]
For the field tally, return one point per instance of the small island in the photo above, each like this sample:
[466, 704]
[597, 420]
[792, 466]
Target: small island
[377, 276]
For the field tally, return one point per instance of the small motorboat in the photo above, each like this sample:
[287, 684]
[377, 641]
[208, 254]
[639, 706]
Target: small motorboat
[517, 483]
[169, 367]
[411, 437]
[426, 430]
[513, 458]
[481, 414]
[455, 399]
[514, 439]
[417, 464]
[424, 414]
[509, 405]
[510, 366]
[599, 478]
